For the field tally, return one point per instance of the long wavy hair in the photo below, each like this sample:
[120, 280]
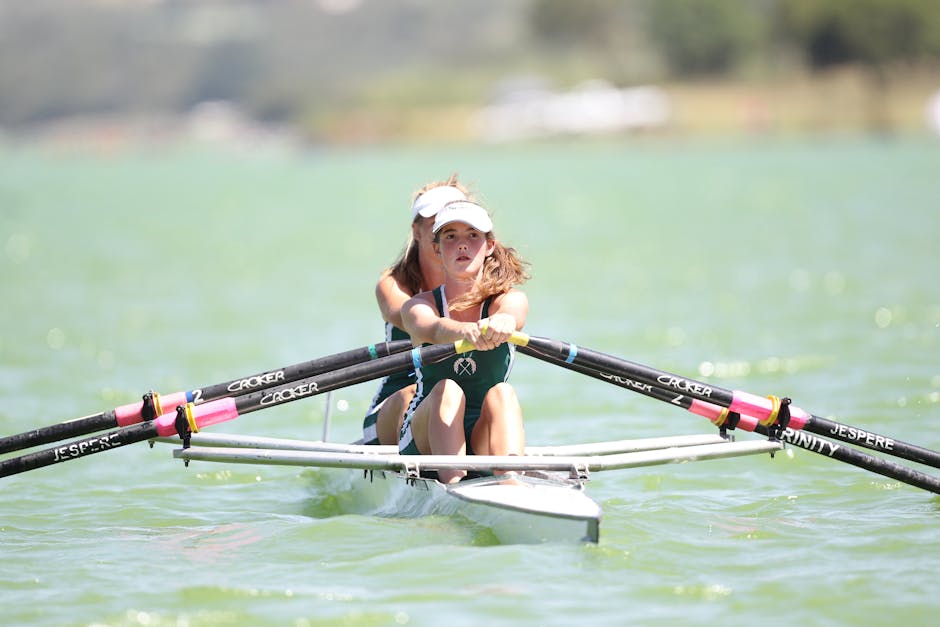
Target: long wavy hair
[502, 270]
[406, 269]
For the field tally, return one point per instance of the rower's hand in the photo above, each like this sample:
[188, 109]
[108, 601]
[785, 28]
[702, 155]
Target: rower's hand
[497, 329]
[471, 333]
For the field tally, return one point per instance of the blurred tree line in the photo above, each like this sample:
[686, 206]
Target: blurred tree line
[697, 38]
[299, 60]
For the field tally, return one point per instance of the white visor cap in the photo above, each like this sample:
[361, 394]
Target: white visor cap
[431, 201]
[466, 212]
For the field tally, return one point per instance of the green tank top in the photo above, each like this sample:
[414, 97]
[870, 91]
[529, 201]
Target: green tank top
[474, 371]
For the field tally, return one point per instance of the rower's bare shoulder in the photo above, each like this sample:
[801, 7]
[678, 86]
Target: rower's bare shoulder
[419, 299]
[511, 299]
[388, 287]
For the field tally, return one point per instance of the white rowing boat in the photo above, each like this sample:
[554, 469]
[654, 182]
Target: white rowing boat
[542, 498]
[517, 508]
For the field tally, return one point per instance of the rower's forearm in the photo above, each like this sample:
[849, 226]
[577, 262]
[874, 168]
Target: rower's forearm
[446, 331]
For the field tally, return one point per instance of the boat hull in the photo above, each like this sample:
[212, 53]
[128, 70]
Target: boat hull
[523, 509]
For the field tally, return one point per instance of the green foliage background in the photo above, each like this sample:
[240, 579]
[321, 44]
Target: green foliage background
[306, 62]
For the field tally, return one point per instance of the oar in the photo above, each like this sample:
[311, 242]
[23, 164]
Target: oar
[190, 418]
[723, 418]
[770, 412]
[154, 404]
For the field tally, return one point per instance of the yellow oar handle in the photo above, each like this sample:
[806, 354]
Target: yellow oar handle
[518, 338]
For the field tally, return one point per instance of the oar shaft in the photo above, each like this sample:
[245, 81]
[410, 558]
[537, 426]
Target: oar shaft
[795, 437]
[857, 458]
[311, 386]
[61, 431]
[162, 426]
[79, 448]
[296, 372]
[873, 441]
[157, 404]
[196, 417]
[744, 403]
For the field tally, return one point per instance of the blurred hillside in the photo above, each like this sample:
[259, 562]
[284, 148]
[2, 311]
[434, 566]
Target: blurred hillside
[366, 70]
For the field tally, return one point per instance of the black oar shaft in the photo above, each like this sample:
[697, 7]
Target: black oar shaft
[229, 408]
[645, 389]
[61, 431]
[79, 448]
[350, 375]
[299, 371]
[741, 402]
[796, 438]
[569, 353]
[131, 414]
[857, 458]
[873, 441]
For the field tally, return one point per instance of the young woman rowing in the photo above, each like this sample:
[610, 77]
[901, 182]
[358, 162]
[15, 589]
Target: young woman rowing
[417, 269]
[464, 405]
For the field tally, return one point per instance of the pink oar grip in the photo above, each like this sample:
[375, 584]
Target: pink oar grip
[713, 413]
[214, 412]
[751, 405]
[760, 407]
[708, 410]
[170, 402]
[798, 418]
[166, 425]
[205, 415]
[131, 414]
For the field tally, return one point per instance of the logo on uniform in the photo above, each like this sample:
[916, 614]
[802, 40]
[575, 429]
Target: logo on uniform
[465, 367]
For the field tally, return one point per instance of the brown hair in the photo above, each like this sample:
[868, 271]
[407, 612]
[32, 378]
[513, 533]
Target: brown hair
[406, 270]
[502, 269]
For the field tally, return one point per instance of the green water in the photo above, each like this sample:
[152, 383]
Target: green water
[800, 268]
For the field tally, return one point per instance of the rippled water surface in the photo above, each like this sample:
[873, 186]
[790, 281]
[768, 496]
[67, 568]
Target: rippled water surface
[807, 269]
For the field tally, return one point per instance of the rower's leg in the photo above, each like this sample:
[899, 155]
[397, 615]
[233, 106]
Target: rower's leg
[500, 430]
[391, 414]
[444, 422]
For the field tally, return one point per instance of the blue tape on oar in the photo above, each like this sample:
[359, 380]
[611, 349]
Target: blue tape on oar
[572, 353]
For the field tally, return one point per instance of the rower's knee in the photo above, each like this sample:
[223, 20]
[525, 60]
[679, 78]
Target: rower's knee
[449, 397]
[389, 421]
[500, 430]
[502, 396]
